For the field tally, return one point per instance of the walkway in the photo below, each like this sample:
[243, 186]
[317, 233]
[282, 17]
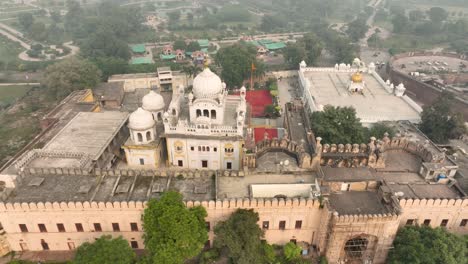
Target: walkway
[9, 33]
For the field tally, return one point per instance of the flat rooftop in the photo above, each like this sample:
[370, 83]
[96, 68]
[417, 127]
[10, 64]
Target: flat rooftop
[375, 104]
[88, 133]
[425, 191]
[353, 203]
[65, 188]
[239, 187]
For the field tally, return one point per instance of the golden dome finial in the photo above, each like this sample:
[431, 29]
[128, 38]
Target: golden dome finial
[357, 77]
[206, 64]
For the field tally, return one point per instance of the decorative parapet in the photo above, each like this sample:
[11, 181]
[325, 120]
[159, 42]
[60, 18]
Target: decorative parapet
[141, 205]
[83, 159]
[460, 202]
[161, 172]
[186, 129]
[365, 217]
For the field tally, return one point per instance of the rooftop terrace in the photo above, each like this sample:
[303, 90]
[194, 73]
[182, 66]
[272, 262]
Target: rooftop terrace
[88, 133]
[375, 104]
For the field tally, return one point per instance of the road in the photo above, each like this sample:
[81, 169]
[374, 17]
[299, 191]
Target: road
[10, 32]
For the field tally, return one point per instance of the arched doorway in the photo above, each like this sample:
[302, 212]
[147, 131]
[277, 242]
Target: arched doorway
[355, 248]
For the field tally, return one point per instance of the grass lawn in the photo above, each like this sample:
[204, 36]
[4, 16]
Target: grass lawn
[8, 94]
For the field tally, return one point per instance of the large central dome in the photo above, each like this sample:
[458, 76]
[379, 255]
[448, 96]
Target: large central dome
[207, 85]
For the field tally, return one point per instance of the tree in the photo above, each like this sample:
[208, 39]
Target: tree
[313, 47]
[439, 123]
[270, 23]
[69, 75]
[193, 46]
[38, 31]
[26, 20]
[105, 250]
[437, 14]
[338, 125]
[179, 44]
[294, 53]
[173, 232]
[236, 61]
[400, 23]
[357, 29]
[110, 66]
[416, 15]
[379, 129]
[424, 245]
[174, 16]
[291, 251]
[241, 237]
[190, 16]
[55, 16]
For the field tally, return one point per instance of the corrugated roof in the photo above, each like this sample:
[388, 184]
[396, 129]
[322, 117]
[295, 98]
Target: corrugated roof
[141, 60]
[203, 42]
[168, 57]
[275, 46]
[138, 48]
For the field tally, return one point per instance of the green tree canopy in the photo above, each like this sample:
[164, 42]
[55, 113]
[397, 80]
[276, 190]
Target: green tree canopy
[173, 232]
[379, 129]
[294, 53]
[26, 20]
[105, 250]
[193, 46]
[241, 236]
[416, 15]
[439, 122]
[61, 78]
[338, 125]
[272, 22]
[437, 14]
[291, 251]
[357, 29]
[179, 44]
[236, 61]
[424, 245]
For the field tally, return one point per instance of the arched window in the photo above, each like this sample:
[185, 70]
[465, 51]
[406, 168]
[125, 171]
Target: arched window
[204, 149]
[213, 114]
[198, 112]
[140, 137]
[159, 116]
[174, 111]
[148, 136]
[207, 148]
[206, 113]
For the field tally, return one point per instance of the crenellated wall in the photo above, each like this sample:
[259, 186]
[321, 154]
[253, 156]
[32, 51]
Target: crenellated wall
[124, 213]
[436, 210]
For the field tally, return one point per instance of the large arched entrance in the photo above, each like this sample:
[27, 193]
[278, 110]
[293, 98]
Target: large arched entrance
[355, 248]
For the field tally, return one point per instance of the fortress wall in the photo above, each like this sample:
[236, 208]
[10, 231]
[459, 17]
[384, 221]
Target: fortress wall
[454, 210]
[124, 213]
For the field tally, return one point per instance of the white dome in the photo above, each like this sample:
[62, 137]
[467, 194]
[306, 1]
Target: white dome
[207, 85]
[153, 102]
[141, 120]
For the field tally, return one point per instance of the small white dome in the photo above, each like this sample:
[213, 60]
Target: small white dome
[303, 64]
[153, 102]
[207, 85]
[141, 120]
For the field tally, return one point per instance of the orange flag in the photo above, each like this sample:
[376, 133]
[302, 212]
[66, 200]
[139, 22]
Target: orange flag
[253, 67]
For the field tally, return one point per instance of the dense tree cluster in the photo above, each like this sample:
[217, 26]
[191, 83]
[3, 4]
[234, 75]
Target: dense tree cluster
[105, 250]
[69, 75]
[424, 245]
[173, 232]
[38, 31]
[309, 48]
[439, 122]
[236, 61]
[340, 125]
